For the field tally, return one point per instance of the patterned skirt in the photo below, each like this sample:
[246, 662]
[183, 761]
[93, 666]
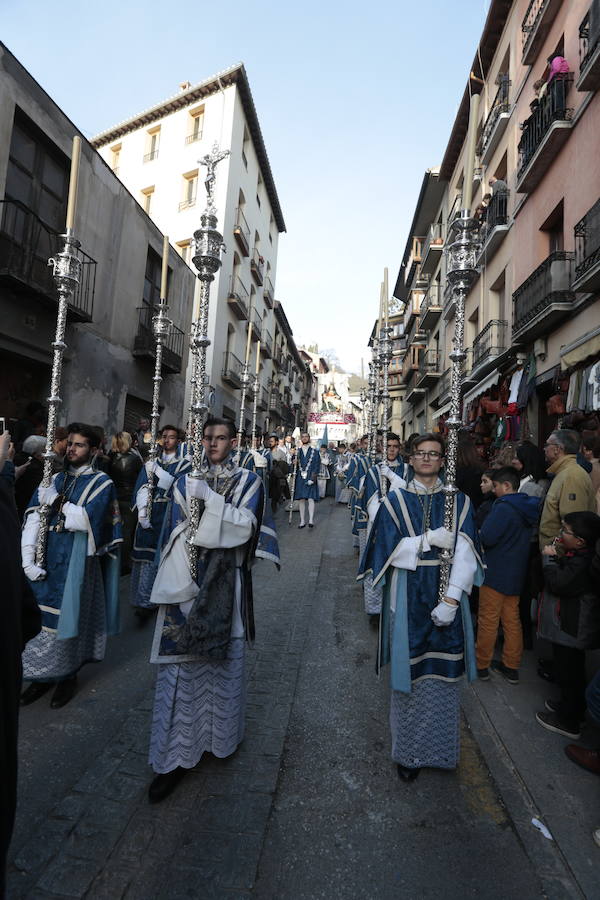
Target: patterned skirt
[46, 658]
[425, 724]
[142, 581]
[198, 708]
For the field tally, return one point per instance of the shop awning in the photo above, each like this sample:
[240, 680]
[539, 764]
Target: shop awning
[484, 385]
[442, 411]
[578, 351]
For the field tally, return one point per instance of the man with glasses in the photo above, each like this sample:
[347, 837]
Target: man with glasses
[571, 487]
[427, 638]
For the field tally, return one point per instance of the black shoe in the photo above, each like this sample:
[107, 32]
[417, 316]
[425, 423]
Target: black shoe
[552, 722]
[35, 690]
[406, 773]
[310, 525]
[511, 675]
[64, 691]
[483, 674]
[163, 785]
[301, 526]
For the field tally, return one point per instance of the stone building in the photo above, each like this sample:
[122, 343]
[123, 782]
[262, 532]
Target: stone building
[108, 367]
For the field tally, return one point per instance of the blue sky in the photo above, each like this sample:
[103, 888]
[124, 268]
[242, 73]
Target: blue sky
[355, 101]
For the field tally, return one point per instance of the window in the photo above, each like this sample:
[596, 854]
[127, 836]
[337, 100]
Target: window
[147, 194]
[190, 187]
[152, 142]
[554, 228]
[259, 189]
[151, 295]
[185, 250]
[116, 158]
[195, 125]
[37, 173]
[245, 147]
[271, 220]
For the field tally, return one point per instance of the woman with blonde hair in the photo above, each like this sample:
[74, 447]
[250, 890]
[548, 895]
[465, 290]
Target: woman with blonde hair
[124, 467]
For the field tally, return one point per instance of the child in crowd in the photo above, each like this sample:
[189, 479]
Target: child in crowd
[570, 579]
[505, 537]
[487, 489]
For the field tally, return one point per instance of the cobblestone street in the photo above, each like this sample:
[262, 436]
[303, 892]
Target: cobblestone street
[310, 806]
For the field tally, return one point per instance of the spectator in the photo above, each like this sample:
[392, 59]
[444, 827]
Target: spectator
[34, 422]
[20, 622]
[571, 617]
[505, 537]
[123, 467]
[571, 487]
[586, 757]
[469, 469]
[32, 469]
[141, 437]
[59, 448]
[487, 490]
[558, 66]
[590, 450]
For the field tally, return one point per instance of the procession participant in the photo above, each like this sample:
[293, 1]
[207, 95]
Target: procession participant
[380, 479]
[169, 465]
[342, 462]
[199, 638]
[331, 484]
[355, 476]
[323, 476]
[305, 487]
[278, 485]
[430, 647]
[77, 591]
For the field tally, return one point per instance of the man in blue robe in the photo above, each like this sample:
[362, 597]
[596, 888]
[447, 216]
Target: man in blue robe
[306, 489]
[202, 625]
[170, 464]
[259, 461]
[428, 640]
[77, 590]
[381, 478]
[355, 479]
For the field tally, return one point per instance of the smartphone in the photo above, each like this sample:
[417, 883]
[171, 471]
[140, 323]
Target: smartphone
[2, 426]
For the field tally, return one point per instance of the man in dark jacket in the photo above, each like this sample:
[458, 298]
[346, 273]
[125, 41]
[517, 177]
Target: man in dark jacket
[505, 537]
[20, 622]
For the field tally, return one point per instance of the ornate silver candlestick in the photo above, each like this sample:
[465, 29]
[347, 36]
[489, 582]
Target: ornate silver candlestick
[66, 274]
[385, 355]
[208, 243]
[461, 273]
[255, 393]
[245, 384]
[161, 327]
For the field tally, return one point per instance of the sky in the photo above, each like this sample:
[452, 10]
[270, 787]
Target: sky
[356, 100]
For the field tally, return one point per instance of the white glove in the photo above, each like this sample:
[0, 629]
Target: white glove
[144, 522]
[197, 487]
[34, 573]
[150, 466]
[387, 471]
[75, 517]
[444, 613]
[164, 479]
[47, 495]
[440, 537]
[310, 482]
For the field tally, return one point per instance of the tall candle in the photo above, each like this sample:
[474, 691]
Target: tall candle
[248, 342]
[257, 357]
[467, 192]
[165, 268]
[380, 322]
[73, 182]
[386, 299]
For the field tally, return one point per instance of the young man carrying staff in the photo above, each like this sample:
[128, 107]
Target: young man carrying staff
[306, 488]
[428, 640]
[202, 625]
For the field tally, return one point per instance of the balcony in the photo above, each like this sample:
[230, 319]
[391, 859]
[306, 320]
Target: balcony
[269, 293]
[414, 392]
[544, 299]
[429, 368]
[275, 402]
[144, 344]
[231, 372]
[26, 244]
[266, 344]
[431, 308]
[241, 232]
[589, 49]
[415, 334]
[238, 297]
[410, 364]
[257, 265]
[193, 137]
[256, 324]
[262, 401]
[443, 394]
[535, 27]
[495, 225]
[399, 345]
[489, 343]
[544, 134]
[418, 280]
[587, 251]
[496, 122]
[187, 203]
[433, 248]
[278, 357]
[153, 154]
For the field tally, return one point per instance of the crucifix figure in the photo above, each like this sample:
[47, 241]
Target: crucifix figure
[210, 161]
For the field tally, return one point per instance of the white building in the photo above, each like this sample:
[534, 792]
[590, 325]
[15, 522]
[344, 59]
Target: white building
[155, 154]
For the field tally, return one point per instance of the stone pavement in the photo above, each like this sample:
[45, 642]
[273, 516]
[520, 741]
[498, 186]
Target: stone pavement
[310, 805]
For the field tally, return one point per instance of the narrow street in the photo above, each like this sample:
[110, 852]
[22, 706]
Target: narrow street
[309, 807]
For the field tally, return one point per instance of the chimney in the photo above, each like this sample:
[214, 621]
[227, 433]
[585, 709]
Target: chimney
[185, 85]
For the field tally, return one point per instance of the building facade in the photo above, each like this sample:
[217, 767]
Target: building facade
[534, 308]
[109, 361]
[156, 155]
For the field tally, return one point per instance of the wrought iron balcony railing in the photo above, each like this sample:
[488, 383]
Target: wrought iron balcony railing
[496, 215]
[535, 25]
[499, 107]
[552, 108]
[144, 344]
[26, 244]
[587, 242]
[490, 342]
[241, 231]
[187, 203]
[232, 369]
[543, 296]
[266, 343]
[257, 264]
[153, 154]
[193, 137]
[238, 297]
[269, 292]
[589, 49]
[431, 307]
[429, 367]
